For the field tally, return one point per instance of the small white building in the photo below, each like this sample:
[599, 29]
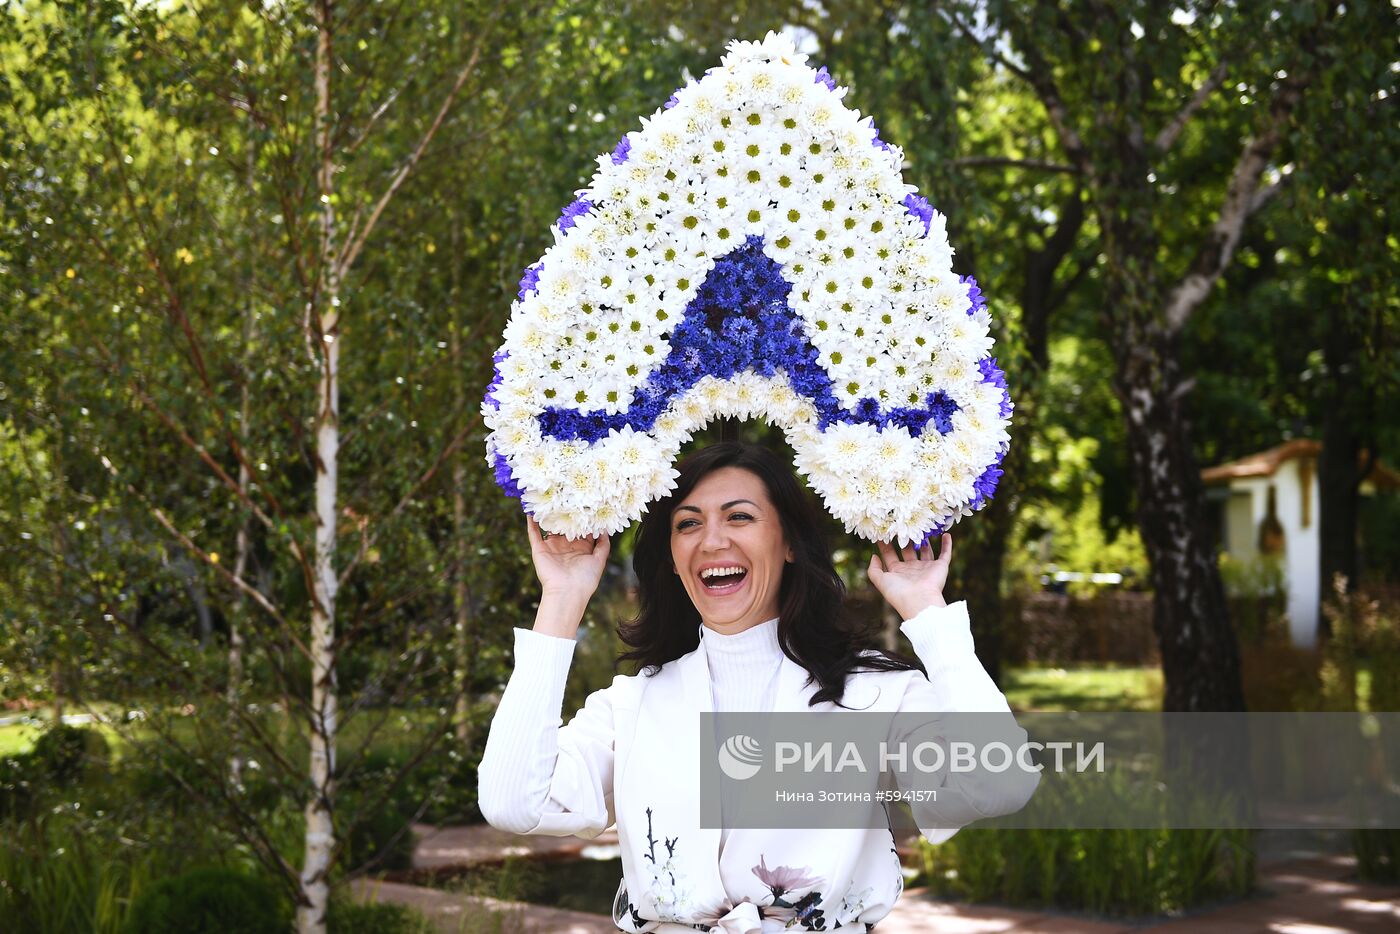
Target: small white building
[1269, 505]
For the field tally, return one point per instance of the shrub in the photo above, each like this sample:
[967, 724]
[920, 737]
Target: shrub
[1125, 872]
[16, 786]
[377, 823]
[1112, 872]
[350, 917]
[66, 754]
[214, 900]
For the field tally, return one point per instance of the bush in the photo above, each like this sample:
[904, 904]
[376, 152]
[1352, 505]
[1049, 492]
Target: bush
[1112, 872]
[16, 786]
[1122, 872]
[65, 754]
[376, 823]
[216, 900]
[349, 917]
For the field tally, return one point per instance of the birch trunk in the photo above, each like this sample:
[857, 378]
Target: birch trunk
[461, 595]
[323, 319]
[240, 547]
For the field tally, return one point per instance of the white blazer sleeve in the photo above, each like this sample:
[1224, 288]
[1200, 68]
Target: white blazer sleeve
[957, 683]
[536, 776]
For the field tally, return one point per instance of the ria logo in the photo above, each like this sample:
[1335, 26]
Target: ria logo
[740, 757]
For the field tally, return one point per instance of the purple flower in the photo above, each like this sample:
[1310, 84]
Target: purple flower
[784, 878]
[932, 534]
[974, 295]
[497, 359]
[624, 148]
[505, 479]
[918, 205]
[875, 140]
[868, 410]
[824, 77]
[986, 484]
[942, 406]
[530, 281]
[673, 100]
[991, 373]
[574, 210]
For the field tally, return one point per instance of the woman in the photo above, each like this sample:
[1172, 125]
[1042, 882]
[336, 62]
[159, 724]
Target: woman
[740, 611]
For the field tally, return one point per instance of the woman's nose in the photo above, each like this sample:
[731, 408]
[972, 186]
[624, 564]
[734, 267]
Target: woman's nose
[715, 537]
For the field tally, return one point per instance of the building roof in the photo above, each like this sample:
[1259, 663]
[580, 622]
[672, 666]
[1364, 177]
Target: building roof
[1267, 463]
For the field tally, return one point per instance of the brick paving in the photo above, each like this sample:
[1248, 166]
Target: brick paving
[1308, 895]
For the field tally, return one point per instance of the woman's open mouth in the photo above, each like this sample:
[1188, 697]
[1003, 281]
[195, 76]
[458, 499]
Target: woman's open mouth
[723, 579]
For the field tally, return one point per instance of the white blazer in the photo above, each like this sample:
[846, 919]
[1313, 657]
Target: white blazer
[631, 756]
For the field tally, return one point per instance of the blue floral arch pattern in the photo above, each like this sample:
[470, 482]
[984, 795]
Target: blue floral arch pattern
[751, 252]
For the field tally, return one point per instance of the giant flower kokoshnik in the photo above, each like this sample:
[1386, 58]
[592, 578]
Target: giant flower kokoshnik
[752, 251]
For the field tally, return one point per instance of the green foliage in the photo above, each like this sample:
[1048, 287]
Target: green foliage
[58, 881]
[349, 917]
[17, 786]
[66, 754]
[1131, 873]
[212, 900]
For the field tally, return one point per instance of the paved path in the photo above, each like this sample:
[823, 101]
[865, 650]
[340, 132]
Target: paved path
[1313, 895]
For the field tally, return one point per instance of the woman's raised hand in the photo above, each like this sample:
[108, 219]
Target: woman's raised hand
[567, 568]
[911, 579]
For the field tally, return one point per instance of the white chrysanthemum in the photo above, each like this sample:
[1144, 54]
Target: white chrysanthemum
[758, 148]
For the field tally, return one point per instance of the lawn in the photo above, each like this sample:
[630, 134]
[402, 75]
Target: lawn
[1087, 688]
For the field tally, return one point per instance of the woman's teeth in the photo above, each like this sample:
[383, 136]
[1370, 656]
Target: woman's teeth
[717, 578]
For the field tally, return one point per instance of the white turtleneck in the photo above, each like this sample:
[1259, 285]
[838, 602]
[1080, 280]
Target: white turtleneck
[743, 666]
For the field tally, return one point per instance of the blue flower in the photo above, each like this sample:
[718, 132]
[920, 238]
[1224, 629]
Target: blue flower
[918, 205]
[824, 77]
[497, 378]
[505, 479]
[575, 209]
[942, 407]
[530, 280]
[624, 148]
[974, 295]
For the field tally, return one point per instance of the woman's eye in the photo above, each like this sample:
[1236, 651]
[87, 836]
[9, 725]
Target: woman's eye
[685, 524]
[740, 515]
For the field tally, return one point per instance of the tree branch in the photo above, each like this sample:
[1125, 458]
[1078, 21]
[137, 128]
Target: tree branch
[1242, 198]
[988, 49]
[1172, 130]
[353, 246]
[238, 583]
[1037, 165]
[447, 451]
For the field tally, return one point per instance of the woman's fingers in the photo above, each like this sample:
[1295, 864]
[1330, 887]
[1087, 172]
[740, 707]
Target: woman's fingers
[888, 557]
[945, 551]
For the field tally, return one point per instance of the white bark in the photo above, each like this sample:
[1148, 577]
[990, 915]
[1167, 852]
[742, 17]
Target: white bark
[320, 832]
[460, 595]
[240, 546]
[1242, 198]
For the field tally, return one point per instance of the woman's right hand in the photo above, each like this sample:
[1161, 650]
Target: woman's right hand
[568, 569]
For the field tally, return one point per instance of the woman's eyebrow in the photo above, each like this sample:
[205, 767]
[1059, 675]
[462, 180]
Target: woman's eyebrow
[729, 505]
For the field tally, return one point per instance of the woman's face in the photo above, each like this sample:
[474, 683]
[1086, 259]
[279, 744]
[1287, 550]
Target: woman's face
[728, 548]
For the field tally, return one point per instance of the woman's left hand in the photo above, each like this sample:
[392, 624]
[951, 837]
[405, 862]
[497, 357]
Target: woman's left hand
[911, 579]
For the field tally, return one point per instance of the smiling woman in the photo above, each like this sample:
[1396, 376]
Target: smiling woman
[741, 610]
[738, 509]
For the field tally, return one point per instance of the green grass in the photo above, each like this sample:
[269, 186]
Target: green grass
[17, 739]
[1085, 689]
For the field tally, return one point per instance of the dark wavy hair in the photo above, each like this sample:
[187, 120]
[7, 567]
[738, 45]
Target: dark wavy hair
[815, 629]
